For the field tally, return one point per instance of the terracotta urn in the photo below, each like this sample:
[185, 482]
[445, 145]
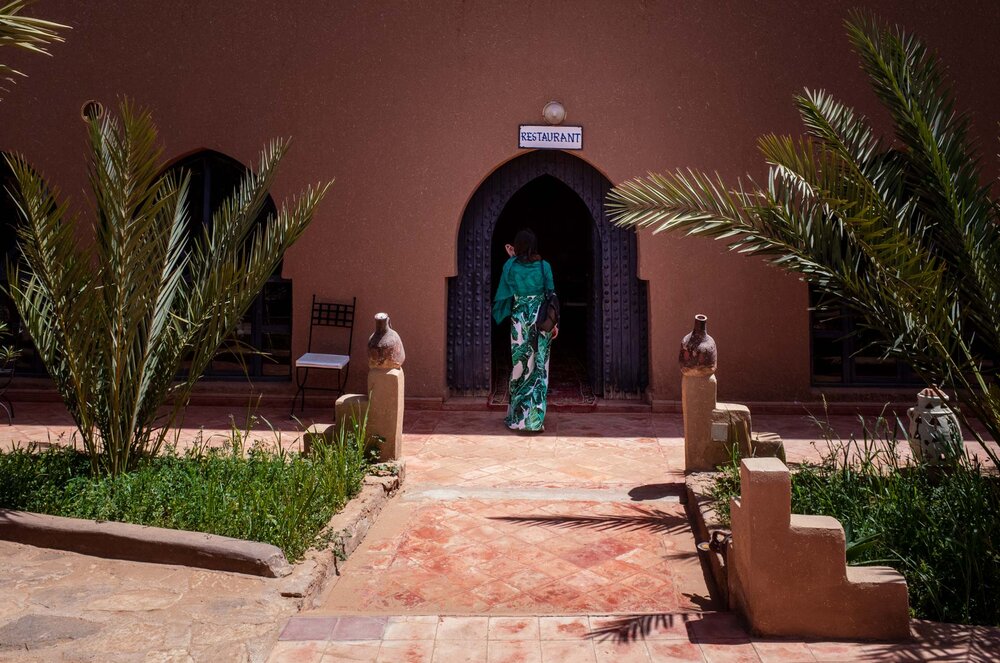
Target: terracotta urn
[935, 435]
[385, 348]
[699, 355]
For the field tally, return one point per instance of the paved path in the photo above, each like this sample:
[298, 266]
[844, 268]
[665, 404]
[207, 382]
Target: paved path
[60, 606]
[647, 638]
[558, 547]
[571, 546]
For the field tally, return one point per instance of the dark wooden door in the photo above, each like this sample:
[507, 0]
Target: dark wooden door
[618, 333]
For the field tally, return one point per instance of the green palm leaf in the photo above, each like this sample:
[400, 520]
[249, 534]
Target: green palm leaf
[24, 32]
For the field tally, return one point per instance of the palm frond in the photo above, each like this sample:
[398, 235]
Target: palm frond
[24, 32]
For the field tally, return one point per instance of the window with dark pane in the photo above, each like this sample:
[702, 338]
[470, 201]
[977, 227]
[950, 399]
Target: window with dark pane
[28, 363]
[845, 354]
[267, 325]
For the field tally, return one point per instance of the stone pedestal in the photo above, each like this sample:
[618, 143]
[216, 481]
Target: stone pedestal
[383, 406]
[385, 412]
[711, 429]
[698, 394]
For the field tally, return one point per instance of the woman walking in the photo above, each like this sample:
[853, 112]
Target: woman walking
[525, 281]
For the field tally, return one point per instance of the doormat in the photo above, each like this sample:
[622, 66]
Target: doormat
[568, 384]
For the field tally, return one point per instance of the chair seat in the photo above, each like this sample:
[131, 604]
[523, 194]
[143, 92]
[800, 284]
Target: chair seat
[321, 360]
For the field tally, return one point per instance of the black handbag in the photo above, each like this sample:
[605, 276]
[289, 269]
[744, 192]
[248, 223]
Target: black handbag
[548, 312]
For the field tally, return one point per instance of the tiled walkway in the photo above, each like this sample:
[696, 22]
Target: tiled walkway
[503, 548]
[648, 638]
[501, 556]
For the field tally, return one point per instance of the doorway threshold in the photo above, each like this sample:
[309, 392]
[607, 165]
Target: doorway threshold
[482, 404]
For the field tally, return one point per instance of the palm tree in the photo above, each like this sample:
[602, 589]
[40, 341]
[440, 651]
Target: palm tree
[902, 232]
[113, 324]
[32, 34]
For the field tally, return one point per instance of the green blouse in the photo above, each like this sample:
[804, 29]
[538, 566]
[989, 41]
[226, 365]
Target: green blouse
[520, 278]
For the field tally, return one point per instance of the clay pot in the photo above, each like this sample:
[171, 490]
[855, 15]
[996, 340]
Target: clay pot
[385, 348]
[699, 355]
[935, 435]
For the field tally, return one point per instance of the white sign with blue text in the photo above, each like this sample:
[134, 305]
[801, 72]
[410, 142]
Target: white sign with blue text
[543, 137]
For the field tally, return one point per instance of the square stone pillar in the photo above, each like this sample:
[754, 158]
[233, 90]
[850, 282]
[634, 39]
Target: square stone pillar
[385, 411]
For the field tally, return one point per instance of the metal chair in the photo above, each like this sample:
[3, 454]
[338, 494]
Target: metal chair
[325, 314]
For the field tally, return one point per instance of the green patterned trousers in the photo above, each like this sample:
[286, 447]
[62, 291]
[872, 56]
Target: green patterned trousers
[529, 378]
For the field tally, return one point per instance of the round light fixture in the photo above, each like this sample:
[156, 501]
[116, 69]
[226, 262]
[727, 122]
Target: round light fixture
[554, 112]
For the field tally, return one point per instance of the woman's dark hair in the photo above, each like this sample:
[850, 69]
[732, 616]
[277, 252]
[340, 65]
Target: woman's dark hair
[526, 246]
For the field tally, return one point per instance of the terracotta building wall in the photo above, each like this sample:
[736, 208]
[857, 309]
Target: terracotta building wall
[410, 105]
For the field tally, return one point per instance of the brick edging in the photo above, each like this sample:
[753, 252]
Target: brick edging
[345, 532]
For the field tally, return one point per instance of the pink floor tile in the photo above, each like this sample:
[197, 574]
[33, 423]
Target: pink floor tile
[460, 651]
[351, 651]
[514, 651]
[566, 651]
[513, 628]
[308, 628]
[563, 628]
[406, 651]
[729, 652]
[672, 651]
[611, 651]
[298, 652]
[463, 628]
[411, 628]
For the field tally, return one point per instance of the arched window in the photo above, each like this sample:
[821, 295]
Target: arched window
[267, 325]
[28, 362]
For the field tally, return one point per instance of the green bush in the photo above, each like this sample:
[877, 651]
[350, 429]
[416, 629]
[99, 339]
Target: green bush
[258, 492]
[940, 529]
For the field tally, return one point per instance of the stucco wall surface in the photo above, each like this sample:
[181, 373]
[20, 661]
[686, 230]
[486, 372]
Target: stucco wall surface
[410, 105]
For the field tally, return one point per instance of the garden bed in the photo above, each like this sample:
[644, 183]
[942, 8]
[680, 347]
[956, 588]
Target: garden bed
[939, 528]
[262, 494]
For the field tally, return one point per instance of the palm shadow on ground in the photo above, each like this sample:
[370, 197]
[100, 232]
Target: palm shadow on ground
[644, 519]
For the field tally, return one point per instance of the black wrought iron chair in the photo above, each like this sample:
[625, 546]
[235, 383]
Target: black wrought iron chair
[325, 314]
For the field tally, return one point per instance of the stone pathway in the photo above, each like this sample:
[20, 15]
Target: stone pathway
[506, 548]
[60, 606]
[560, 547]
[648, 638]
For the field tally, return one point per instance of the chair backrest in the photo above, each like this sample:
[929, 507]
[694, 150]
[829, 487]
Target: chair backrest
[333, 314]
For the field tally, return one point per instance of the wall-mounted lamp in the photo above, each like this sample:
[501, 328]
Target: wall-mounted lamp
[554, 112]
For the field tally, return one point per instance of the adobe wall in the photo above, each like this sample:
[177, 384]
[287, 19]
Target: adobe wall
[411, 105]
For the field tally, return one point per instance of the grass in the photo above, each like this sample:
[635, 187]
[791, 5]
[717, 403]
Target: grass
[939, 528]
[257, 492]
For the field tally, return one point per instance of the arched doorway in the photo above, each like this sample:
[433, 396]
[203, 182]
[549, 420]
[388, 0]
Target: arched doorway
[594, 263]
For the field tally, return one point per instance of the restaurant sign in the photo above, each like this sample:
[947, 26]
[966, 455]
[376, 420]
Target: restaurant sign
[544, 137]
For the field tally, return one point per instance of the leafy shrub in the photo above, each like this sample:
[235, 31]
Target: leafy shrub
[258, 492]
[940, 529]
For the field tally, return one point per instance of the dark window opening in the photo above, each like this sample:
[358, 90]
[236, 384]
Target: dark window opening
[845, 354]
[267, 325]
[28, 362]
